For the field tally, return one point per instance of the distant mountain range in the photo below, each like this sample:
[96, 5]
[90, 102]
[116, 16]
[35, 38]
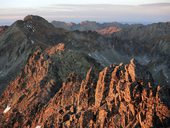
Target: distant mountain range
[102, 28]
[84, 75]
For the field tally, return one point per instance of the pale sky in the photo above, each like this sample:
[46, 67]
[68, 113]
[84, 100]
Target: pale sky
[137, 11]
[38, 3]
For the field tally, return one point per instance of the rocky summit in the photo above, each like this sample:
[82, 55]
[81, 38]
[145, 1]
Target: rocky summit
[113, 75]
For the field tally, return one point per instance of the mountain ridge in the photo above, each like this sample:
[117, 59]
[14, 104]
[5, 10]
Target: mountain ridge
[79, 102]
[138, 44]
[51, 77]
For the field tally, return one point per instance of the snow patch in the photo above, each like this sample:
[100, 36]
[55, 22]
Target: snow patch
[2, 73]
[29, 26]
[33, 30]
[32, 41]
[38, 126]
[90, 55]
[144, 60]
[7, 109]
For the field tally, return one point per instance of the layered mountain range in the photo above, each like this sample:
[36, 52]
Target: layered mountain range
[57, 77]
[149, 44]
[88, 26]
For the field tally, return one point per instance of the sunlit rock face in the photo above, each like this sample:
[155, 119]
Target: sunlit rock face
[122, 95]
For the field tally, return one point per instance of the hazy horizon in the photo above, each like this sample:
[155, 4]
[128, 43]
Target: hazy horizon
[128, 11]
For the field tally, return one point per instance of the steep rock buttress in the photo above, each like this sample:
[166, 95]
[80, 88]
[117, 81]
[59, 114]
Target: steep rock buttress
[31, 90]
[121, 96]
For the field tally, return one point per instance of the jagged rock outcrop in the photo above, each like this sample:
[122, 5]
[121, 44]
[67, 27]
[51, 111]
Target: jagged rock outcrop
[121, 96]
[31, 90]
[38, 82]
